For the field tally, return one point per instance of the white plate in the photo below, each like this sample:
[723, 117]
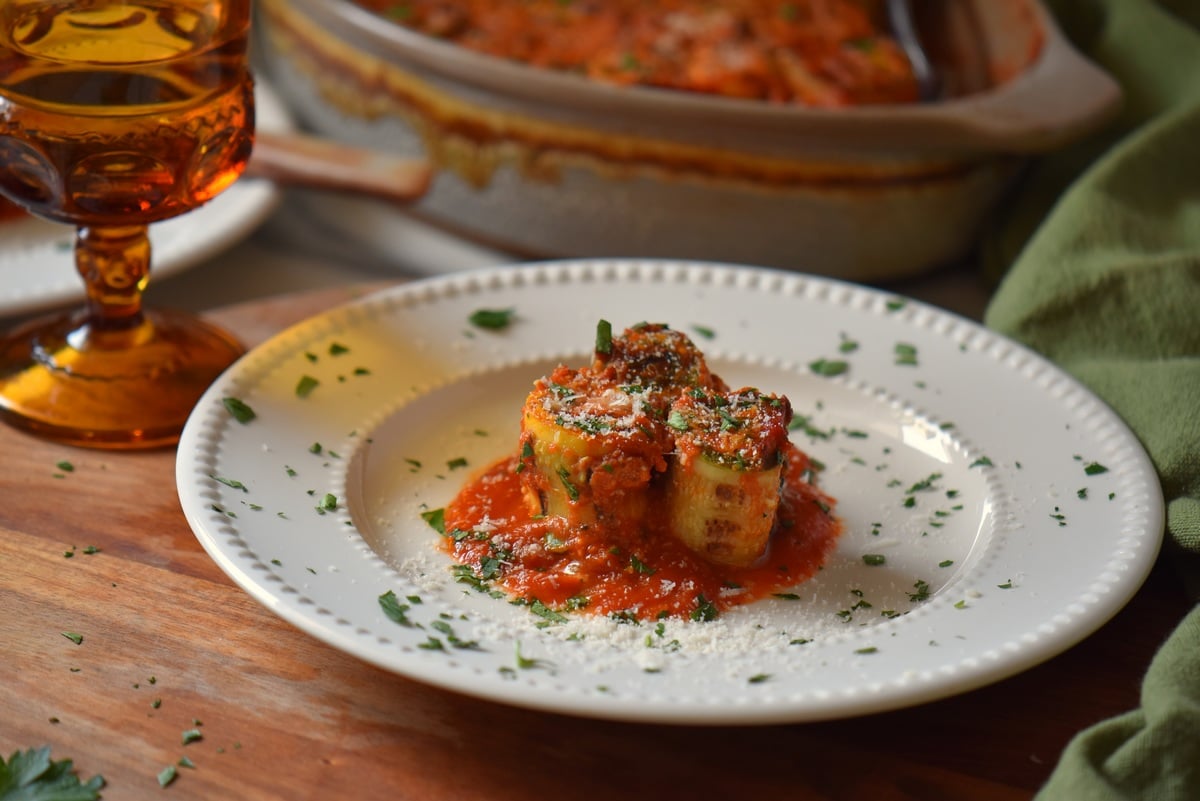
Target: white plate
[37, 264]
[1022, 557]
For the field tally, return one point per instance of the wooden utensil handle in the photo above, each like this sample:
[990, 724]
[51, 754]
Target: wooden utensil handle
[291, 159]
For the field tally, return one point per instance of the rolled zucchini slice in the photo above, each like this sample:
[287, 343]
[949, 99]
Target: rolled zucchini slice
[589, 447]
[723, 482]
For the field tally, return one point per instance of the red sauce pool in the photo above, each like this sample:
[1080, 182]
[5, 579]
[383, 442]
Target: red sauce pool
[644, 574]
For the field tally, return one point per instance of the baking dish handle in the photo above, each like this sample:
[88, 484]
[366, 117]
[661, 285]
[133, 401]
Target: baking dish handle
[1060, 97]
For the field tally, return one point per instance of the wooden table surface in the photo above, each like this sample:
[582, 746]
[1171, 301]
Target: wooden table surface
[170, 644]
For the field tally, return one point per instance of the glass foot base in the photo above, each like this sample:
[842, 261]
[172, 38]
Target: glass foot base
[123, 389]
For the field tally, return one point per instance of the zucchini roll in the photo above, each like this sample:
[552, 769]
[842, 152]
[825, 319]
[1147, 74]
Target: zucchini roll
[723, 483]
[589, 447]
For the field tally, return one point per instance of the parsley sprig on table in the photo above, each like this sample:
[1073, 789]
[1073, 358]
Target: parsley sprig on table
[33, 776]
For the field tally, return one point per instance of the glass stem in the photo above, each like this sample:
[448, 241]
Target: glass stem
[114, 262]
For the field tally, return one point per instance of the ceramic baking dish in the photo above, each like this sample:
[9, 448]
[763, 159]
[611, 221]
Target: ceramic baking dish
[546, 164]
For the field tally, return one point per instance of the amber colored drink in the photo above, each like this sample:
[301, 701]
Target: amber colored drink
[119, 113]
[115, 114]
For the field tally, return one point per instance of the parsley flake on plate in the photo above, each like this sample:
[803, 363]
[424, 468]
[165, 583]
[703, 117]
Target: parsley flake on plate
[232, 483]
[306, 385]
[828, 367]
[395, 611]
[492, 319]
[240, 411]
[436, 518]
[906, 354]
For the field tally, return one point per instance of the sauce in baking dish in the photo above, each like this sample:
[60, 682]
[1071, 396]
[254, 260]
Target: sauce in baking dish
[826, 53]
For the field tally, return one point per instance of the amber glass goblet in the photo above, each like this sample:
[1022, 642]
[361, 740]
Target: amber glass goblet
[115, 114]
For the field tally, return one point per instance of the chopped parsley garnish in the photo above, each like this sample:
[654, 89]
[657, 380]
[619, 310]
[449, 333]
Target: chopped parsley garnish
[337, 349]
[546, 613]
[305, 386]
[604, 337]
[704, 331]
[759, 678]
[73, 637]
[65, 466]
[828, 367]
[436, 518]
[565, 476]
[982, 461]
[945, 563]
[492, 319]
[452, 638]
[465, 574]
[489, 568]
[240, 411]
[395, 611]
[921, 593]
[923, 484]
[230, 482]
[906, 354]
[677, 421]
[191, 736]
[874, 559]
[1095, 469]
[527, 663]
[705, 610]
[641, 567]
[167, 775]
[456, 463]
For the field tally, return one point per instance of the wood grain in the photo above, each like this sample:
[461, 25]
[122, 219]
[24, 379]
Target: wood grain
[168, 640]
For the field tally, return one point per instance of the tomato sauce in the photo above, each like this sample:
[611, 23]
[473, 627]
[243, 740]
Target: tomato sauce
[810, 52]
[641, 573]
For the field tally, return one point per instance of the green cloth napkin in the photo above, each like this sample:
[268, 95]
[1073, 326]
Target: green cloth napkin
[1103, 240]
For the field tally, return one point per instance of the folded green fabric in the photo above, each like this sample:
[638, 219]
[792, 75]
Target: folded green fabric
[1104, 243]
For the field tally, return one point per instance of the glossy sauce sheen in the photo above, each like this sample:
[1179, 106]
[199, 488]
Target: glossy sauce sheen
[645, 573]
